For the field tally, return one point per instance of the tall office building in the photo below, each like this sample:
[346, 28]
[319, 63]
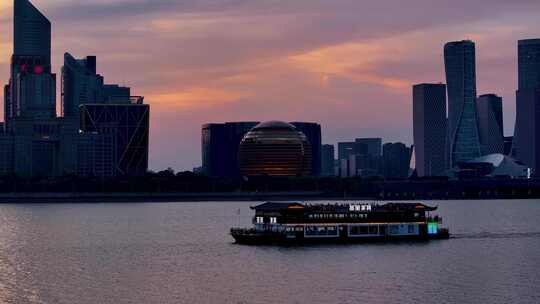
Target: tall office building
[313, 134]
[396, 159]
[220, 144]
[460, 66]
[32, 86]
[529, 64]
[32, 32]
[345, 151]
[128, 121]
[526, 144]
[374, 145]
[490, 123]
[360, 158]
[328, 160]
[429, 128]
[371, 164]
[80, 84]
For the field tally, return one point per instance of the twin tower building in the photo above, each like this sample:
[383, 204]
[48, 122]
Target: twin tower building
[103, 130]
[474, 125]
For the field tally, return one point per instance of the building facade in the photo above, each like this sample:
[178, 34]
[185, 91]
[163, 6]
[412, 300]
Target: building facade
[429, 129]
[220, 144]
[374, 145]
[526, 145]
[313, 134]
[490, 123]
[463, 134]
[396, 159]
[129, 125]
[328, 160]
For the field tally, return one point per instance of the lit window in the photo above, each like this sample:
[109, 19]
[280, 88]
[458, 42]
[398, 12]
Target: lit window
[273, 220]
[260, 220]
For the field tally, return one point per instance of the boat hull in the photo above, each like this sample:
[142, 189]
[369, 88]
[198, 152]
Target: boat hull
[281, 239]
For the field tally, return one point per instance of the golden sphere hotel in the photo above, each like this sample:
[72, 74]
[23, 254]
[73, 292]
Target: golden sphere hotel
[275, 148]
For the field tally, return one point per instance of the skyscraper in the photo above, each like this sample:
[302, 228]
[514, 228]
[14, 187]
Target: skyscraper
[490, 123]
[460, 66]
[529, 64]
[370, 162]
[345, 151]
[128, 122]
[374, 145]
[429, 128]
[32, 32]
[526, 143]
[80, 84]
[396, 160]
[328, 160]
[313, 134]
[220, 143]
[32, 86]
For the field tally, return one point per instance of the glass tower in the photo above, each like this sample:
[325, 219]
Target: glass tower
[526, 145]
[463, 135]
[429, 129]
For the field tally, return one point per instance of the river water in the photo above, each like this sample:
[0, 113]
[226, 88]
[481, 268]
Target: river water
[182, 253]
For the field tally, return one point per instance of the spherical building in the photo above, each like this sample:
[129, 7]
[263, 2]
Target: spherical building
[275, 148]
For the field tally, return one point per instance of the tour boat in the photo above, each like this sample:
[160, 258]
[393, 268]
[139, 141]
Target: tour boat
[297, 223]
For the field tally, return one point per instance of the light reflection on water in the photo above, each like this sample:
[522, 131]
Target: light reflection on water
[182, 253]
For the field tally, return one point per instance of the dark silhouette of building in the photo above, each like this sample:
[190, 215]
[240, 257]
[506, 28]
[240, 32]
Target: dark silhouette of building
[220, 144]
[490, 123]
[396, 159]
[460, 66]
[328, 160]
[275, 148]
[80, 84]
[347, 150]
[374, 146]
[360, 158]
[527, 131]
[313, 134]
[127, 123]
[529, 64]
[108, 137]
[429, 128]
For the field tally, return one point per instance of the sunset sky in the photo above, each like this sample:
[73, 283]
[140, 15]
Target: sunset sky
[347, 64]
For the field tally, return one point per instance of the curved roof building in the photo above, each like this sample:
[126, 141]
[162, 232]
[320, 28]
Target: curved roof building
[275, 148]
[493, 165]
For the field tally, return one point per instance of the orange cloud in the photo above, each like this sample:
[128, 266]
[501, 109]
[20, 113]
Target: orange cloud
[195, 98]
[356, 61]
[5, 7]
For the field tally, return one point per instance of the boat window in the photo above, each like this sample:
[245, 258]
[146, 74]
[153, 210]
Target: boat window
[273, 220]
[260, 220]
[411, 228]
[373, 230]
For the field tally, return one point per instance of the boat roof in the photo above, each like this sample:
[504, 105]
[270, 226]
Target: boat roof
[280, 206]
[277, 206]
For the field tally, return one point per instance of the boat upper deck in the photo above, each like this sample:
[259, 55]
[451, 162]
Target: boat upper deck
[277, 212]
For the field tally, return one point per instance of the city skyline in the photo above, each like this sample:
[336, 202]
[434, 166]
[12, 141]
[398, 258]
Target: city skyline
[349, 72]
